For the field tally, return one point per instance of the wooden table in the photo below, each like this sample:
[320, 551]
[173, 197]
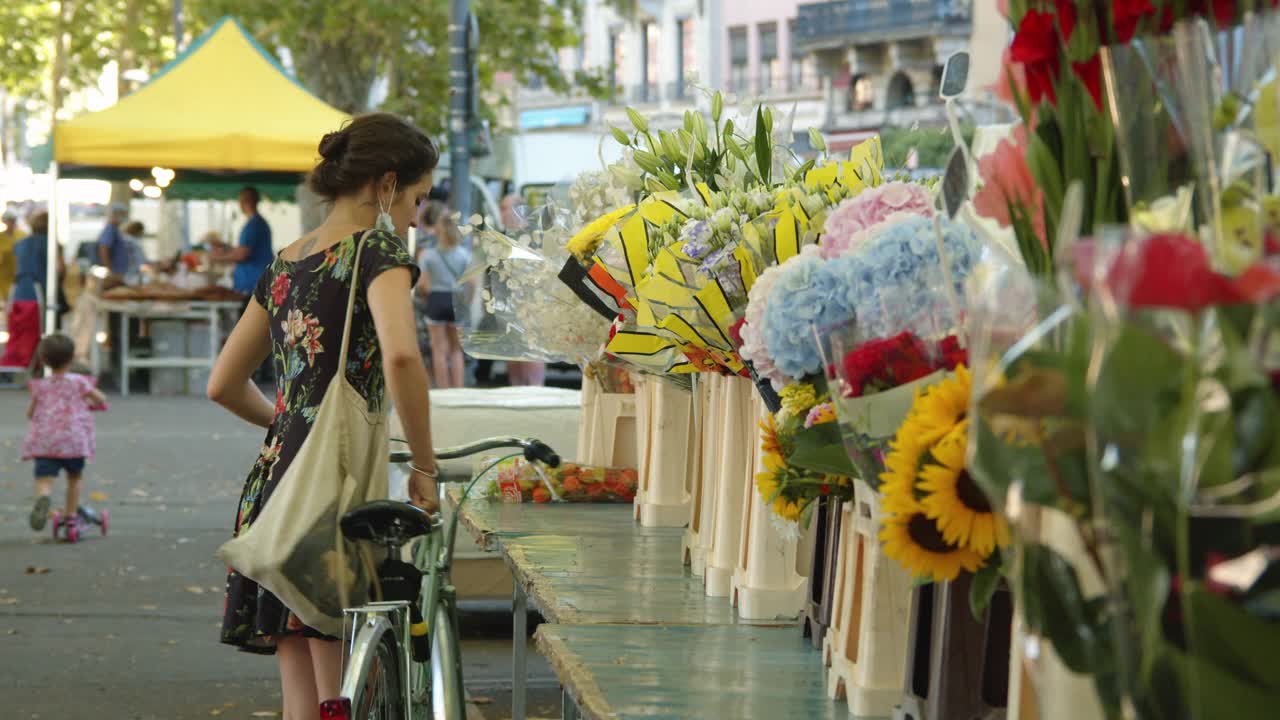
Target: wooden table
[687, 671]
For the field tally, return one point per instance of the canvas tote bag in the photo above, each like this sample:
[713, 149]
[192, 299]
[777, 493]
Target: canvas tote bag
[295, 548]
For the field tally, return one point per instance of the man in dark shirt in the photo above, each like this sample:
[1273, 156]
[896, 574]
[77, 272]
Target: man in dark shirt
[113, 250]
[253, 253]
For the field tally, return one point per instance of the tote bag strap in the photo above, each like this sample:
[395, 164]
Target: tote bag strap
[351, 302]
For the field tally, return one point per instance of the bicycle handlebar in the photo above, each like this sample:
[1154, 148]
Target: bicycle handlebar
[534, 450]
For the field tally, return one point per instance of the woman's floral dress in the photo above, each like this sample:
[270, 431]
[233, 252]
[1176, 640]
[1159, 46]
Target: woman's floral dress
[306, 301]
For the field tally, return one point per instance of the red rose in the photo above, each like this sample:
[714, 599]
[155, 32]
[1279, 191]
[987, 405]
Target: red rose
[1126, 16]
[1066, 18]
[1090, 73]
[1035, 46]
[280, 288]
[1173, 271]
[951, 352]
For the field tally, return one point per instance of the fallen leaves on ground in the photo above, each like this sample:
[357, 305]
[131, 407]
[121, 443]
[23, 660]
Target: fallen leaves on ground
[266, 713]
[8, 600]
[195, 589]
[148, 607]
[33, 570]
[98, 496]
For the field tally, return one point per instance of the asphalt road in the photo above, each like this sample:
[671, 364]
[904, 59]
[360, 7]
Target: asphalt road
[126, 626]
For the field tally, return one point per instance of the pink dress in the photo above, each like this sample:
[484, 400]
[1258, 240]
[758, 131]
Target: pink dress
[62, 426]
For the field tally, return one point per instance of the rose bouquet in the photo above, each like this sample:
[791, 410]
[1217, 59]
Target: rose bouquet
[1131, 442]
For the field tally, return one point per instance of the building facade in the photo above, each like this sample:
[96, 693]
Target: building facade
[847, 67]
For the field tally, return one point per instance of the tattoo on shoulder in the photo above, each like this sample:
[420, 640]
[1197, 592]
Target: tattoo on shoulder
[307, 244]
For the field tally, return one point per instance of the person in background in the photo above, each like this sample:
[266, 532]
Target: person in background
[442, 270]
[61, 437]
[520, 372]
[133, 233]
[10, 234]
[113, 250]
[32, 255]
[253, 253]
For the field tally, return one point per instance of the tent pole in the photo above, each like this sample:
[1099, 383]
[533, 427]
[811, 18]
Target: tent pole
[51, 274]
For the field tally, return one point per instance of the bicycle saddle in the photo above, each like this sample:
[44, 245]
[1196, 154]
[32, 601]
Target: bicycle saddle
[386, 522]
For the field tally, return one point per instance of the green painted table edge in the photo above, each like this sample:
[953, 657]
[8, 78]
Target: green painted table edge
[489, 536]
[581, 683]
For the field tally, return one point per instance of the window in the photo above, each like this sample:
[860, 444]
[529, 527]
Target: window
[862, 93]
[770, 67]
[800, 73]
[685, 54]
[738, 59]
[617, 53]
[649, 62]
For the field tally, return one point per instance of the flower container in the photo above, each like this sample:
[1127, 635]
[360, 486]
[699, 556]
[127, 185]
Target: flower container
[705, 482]
[823, 571]
[866, 646]
[766, 583]
[735, 439]
[667, 453]
[607, 435]
[1042, 687]
[957, 667]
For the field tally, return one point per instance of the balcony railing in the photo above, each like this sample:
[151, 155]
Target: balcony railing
[849, 22]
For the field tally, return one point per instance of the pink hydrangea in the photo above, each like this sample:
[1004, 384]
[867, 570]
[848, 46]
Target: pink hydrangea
[846, 224]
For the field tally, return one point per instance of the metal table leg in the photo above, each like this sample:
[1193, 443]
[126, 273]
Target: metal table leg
[95, 347]
[519, 653]
[568, 709]
[124, 354]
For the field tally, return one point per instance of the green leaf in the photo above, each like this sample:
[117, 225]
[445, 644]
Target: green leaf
[1056, 607]
[764, 150]
[820, 449]
[1147, 588]
[1227, 635]
[1196, 687]
[984, 585]
[803, 170]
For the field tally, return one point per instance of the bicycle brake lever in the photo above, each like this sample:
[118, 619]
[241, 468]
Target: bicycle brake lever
[538, 451]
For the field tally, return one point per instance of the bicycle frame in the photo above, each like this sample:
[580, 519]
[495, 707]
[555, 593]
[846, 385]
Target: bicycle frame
[433, 554]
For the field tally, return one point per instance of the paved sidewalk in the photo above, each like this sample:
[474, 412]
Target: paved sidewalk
[125, 627]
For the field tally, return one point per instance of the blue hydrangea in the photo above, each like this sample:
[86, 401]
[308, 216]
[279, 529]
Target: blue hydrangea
[809, 296]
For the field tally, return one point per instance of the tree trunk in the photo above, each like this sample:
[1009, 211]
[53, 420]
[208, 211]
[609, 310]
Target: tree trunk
[59, 61]
[125, 61]
[342, 74]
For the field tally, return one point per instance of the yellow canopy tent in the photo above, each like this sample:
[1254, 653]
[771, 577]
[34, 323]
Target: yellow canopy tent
[224, 106]
[222, 111]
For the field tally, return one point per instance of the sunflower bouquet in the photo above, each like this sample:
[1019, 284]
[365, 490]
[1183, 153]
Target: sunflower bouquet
[938, 522]
[788, 481]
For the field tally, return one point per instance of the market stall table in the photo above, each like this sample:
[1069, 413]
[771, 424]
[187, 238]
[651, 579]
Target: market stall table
[590, 564]
[687, 671]
[205, 310]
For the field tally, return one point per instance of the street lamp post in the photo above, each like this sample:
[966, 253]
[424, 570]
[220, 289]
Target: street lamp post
[459, 107]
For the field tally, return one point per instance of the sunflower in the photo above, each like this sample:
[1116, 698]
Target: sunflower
[584, 244]
[913, 540]
[769, 436]
[767, 479]
[789, 509]
[942, 406]
[902, 463]
[955, 501]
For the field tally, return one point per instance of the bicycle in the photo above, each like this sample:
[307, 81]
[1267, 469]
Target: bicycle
[398, 665]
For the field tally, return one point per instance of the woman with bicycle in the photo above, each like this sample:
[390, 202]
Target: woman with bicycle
[375, 171]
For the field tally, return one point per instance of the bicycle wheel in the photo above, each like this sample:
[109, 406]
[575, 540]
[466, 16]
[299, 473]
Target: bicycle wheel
[373, 680]
[448, 701]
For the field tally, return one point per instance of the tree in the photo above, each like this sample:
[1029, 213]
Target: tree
[342, 47]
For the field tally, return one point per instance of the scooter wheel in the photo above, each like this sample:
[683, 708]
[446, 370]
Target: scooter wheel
[56, 522]
[106, 517]
[73, 532]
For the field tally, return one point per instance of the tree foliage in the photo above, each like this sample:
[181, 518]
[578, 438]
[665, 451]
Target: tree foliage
[340, 48]
[97, 32]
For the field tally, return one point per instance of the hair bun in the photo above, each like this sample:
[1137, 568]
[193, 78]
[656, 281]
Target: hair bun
[333, 144]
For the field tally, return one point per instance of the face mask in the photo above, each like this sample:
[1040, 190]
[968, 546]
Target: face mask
[384, 222]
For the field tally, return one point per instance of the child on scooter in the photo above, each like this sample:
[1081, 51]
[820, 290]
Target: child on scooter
[61, 435]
